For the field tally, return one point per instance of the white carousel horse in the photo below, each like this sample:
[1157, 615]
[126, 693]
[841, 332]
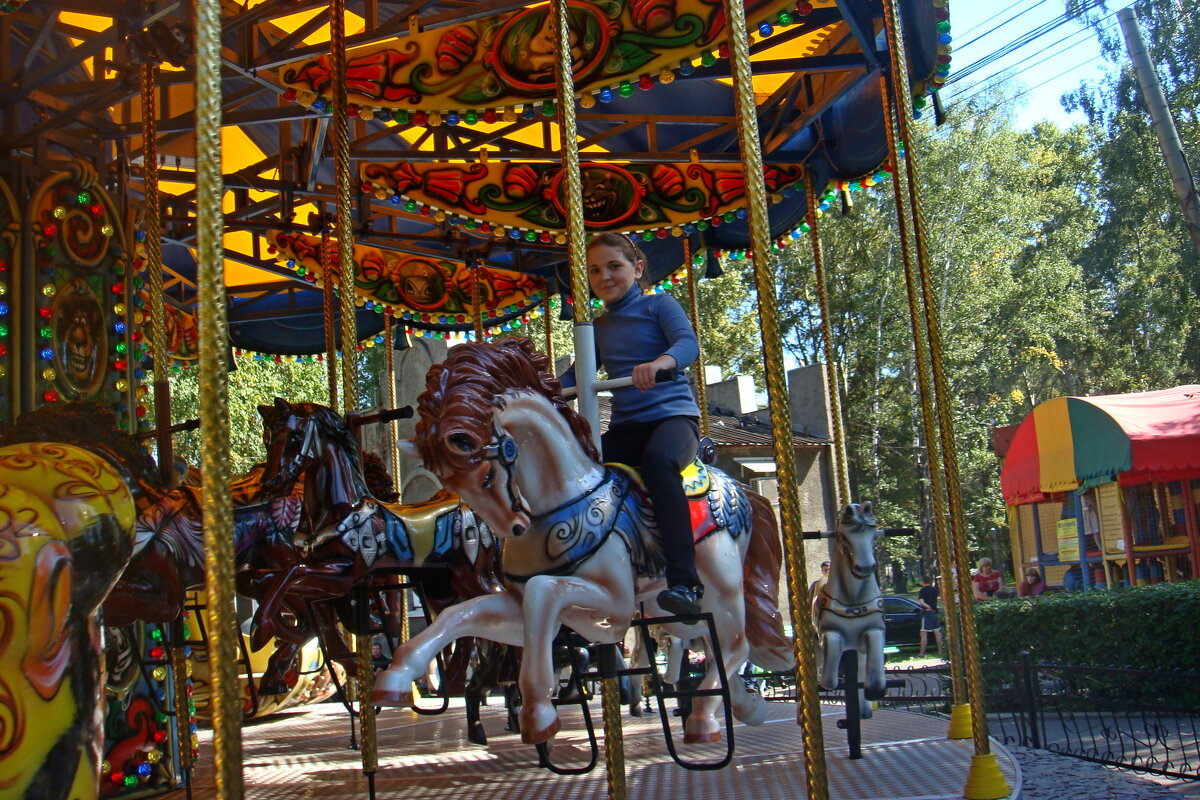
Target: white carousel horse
[580, 546]
[848, 610]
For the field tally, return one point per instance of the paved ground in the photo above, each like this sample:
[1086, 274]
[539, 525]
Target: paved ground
[303, 754]
[1048, 776]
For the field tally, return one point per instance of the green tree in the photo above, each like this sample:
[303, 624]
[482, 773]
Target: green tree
[1007, 215]
[255, 381]
[1141, 263]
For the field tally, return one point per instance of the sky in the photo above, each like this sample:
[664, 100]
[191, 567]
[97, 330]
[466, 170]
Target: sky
[1068, 54]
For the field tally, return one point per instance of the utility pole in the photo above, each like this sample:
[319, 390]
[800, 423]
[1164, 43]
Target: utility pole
[1164, 125]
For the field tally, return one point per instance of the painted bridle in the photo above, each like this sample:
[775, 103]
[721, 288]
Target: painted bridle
[503, 451]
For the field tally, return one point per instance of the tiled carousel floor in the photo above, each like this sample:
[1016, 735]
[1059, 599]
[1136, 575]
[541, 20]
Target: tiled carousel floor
[304, 754]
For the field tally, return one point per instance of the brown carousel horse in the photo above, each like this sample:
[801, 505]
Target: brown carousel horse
[346, 538]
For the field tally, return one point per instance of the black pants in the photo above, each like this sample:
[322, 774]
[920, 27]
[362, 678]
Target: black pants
[660, 449]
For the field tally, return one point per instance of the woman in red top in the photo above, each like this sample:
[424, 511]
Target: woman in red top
[987, 581]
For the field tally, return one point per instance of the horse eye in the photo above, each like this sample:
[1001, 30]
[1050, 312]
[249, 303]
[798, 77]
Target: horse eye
[489, 479]
[463, 442]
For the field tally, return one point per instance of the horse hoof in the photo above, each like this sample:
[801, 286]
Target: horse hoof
[702, 737]
[391, 697]
[529, 736]
[751, 712]
[273, 686]
[476, 734]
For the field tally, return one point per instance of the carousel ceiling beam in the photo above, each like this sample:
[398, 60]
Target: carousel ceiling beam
[89, 150]
[97, 122]
[264, 265]
[394, 241]
[861, 21]
[395, 26]
[288, 43]
[35, 45]
[295, 312]
[186, 122]
[783, 98]
[316, 150]
[62, 119]
[234, 18]
[833, 62]
[815, 109]
[93, 45]
[254, 116]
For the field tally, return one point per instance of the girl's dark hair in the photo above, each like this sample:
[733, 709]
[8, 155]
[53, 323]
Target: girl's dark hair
[628, 248]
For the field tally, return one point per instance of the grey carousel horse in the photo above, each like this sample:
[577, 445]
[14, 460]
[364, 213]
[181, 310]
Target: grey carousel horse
[848, 610]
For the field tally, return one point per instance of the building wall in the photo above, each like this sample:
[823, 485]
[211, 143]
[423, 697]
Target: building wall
[411, 364]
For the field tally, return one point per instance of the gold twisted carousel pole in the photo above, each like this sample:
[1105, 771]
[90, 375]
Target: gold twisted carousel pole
[214, 409]
[809, 708]
[960, 711]
[340, 130]
[389, 369]
[162, 387]
[984, 779]
[841, 472]
[477, 306]
[694, 313]
[549, 320]
[154, 276]
[331, 360]
[610, 693]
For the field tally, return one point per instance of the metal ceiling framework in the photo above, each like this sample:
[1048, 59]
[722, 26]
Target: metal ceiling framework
[71, 91]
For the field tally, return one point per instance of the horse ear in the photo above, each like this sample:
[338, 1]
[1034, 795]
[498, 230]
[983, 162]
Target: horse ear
[867, 509]
[848, 512]
[281, 404]
[264, 411]
[409, 448]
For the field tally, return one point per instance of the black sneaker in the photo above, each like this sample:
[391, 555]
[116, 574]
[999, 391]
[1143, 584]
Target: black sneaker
[682, 601]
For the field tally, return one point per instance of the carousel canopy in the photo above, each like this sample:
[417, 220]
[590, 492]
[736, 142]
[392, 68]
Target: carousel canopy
[436, 90]
[1071, 443]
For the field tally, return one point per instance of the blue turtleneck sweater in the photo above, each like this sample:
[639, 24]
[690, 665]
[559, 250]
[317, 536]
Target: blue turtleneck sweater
[634, 330]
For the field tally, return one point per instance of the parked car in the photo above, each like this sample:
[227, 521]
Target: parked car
[903, 620]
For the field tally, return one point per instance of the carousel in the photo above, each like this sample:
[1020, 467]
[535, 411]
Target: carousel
[189, 183]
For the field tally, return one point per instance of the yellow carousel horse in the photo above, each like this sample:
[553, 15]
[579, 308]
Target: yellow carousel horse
[66, 534]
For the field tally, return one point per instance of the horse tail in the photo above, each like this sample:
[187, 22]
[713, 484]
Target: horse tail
[770, 647]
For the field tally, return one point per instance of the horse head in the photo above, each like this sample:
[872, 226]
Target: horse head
[855, 539]
[463, 436]
[488, 485]
[293, 443]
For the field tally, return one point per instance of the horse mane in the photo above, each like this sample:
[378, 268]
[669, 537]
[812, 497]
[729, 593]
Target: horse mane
[330, 421]
[90, 426]
[461, 392]
[379, 480]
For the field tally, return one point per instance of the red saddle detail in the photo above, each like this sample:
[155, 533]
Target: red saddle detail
[702, 518]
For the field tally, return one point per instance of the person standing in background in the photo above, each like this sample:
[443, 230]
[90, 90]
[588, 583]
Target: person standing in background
[927, 598]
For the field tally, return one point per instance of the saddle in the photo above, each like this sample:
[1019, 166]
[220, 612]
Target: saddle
[695, 476]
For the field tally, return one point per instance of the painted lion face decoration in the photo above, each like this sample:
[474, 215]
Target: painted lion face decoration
[80, 339]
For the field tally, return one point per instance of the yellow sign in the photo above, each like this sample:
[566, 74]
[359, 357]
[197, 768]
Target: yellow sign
[1068, 540]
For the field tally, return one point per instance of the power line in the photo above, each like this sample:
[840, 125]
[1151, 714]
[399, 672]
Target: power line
[1001, 25]
[1010, 76]
[1014, 45]
[1032, 88]
[978, 25]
